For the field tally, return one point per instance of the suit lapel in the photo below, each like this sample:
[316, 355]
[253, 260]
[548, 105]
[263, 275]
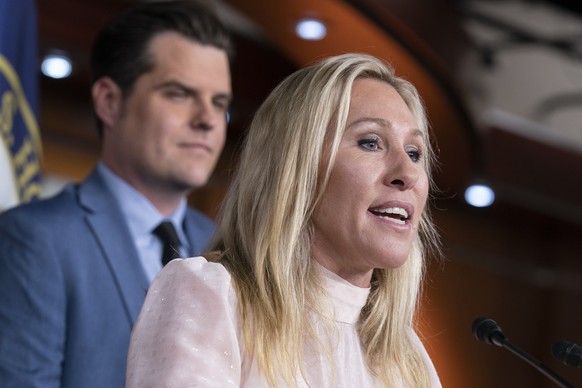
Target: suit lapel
[112, 233]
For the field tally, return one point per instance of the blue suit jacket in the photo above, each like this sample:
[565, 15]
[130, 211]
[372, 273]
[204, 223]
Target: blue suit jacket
[71, 287]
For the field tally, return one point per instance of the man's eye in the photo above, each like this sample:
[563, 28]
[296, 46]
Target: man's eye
[371, 144]
[221, 105]
[177, 93]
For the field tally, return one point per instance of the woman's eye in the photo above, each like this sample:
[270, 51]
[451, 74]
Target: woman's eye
[415, 155]
[371, 144]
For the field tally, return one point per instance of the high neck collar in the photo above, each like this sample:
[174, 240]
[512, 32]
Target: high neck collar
[348, 300]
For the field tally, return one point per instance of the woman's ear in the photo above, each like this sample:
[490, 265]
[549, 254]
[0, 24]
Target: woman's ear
[107, 100]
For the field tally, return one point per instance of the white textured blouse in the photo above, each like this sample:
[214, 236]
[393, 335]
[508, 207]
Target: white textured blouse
[189, 334]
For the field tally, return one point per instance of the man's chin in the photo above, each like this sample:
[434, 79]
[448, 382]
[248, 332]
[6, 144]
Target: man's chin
[191, 184]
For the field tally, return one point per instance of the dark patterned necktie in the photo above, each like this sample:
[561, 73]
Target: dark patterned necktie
[170, 241]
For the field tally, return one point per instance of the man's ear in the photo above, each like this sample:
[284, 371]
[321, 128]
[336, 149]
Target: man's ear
[107, 100]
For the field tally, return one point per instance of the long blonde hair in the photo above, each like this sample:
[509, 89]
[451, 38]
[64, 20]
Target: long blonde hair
[264, 230]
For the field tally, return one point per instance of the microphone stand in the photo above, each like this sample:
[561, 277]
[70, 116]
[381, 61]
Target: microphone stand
[488, 331]
[536, 364]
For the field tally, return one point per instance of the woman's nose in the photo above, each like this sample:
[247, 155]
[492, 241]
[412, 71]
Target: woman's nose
[401, 171]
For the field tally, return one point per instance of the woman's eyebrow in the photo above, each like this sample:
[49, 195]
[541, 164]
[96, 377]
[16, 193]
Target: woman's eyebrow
[415, 132]
[381, 122]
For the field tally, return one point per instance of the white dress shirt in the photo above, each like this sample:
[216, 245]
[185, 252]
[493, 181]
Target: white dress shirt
[142, 218]
[189, 334]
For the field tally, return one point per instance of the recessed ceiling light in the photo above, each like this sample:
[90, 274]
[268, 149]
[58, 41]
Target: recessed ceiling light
[311, 29]
[479, 195]
[56, 65]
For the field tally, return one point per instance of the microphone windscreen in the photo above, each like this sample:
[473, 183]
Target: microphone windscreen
[568, 353]
[488, 331]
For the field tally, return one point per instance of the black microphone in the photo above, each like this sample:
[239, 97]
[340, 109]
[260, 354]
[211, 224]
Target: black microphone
[488, 331]
[568, 353]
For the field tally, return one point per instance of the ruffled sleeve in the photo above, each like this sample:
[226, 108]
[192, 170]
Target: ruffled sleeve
[188, 329]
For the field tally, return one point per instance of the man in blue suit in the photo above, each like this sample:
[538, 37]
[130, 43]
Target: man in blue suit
[74, 269]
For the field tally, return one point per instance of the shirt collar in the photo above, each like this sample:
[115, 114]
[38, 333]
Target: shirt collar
[348, 300]
[141, 215]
